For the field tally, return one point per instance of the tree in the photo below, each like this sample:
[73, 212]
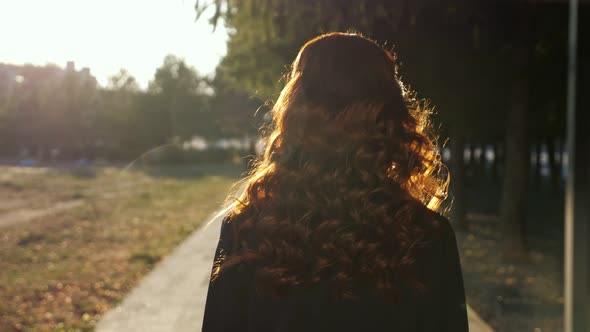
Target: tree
[457, 52]
[181, 97]
[123, 81]
[48, 108]
[267, 35]
[120, 123]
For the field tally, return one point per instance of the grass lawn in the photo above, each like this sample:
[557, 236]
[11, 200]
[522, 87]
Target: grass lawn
[62, 271]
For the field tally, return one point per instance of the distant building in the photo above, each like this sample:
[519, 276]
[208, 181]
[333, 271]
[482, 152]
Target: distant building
[7, 80]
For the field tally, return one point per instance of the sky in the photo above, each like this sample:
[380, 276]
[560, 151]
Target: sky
[107, 35]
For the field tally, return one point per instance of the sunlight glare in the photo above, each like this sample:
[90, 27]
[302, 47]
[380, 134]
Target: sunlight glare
[108, 35]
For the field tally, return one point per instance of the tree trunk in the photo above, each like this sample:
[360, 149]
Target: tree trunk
[482, 155]
[538, 165]
[481, 163]
[517, 165]
[459, 210]
[496, 161]
[554, 165]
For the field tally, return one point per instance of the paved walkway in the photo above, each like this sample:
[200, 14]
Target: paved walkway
[172, 297]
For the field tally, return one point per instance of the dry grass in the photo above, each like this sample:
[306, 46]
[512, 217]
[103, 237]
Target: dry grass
[62, 272]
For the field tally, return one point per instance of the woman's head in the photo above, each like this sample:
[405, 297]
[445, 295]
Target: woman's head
[339, 69]
[343, 102]
[340, 192]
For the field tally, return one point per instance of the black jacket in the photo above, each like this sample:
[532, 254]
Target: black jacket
[233, 303]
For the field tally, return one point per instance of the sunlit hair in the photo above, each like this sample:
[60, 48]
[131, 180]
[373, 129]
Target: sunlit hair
[350, 173]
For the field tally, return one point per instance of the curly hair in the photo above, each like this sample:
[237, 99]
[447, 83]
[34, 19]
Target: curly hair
[350, 170]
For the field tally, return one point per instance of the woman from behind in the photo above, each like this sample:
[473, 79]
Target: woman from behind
[336, 229]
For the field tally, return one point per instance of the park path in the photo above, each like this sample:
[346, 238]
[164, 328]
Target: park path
[23, 215]
[171, 298]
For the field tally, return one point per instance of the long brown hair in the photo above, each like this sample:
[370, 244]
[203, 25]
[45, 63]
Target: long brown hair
[349, 170]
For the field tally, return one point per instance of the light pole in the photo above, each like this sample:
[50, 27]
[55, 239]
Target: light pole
[577, 200]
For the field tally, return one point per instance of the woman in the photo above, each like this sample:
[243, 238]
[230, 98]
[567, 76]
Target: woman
[336, 229]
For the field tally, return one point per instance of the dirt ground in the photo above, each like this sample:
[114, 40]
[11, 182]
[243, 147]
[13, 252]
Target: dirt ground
[512, 296]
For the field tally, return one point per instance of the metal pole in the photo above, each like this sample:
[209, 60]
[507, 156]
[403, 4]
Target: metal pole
[577, 214]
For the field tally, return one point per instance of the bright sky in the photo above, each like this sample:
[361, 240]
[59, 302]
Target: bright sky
[106, 35]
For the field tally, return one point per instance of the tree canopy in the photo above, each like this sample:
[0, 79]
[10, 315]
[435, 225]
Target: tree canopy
[457, 53]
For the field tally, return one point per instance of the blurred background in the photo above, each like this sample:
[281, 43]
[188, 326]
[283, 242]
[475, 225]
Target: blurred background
[123, 125]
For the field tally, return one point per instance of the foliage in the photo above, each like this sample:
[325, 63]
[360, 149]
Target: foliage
[40, 114]
[455, 52]
[492, 69]
[182, 95]
[50, 113]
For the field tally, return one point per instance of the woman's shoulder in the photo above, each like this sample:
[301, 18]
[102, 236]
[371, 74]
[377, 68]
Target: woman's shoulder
[442, 224]
[437, 253]
[438, 229]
